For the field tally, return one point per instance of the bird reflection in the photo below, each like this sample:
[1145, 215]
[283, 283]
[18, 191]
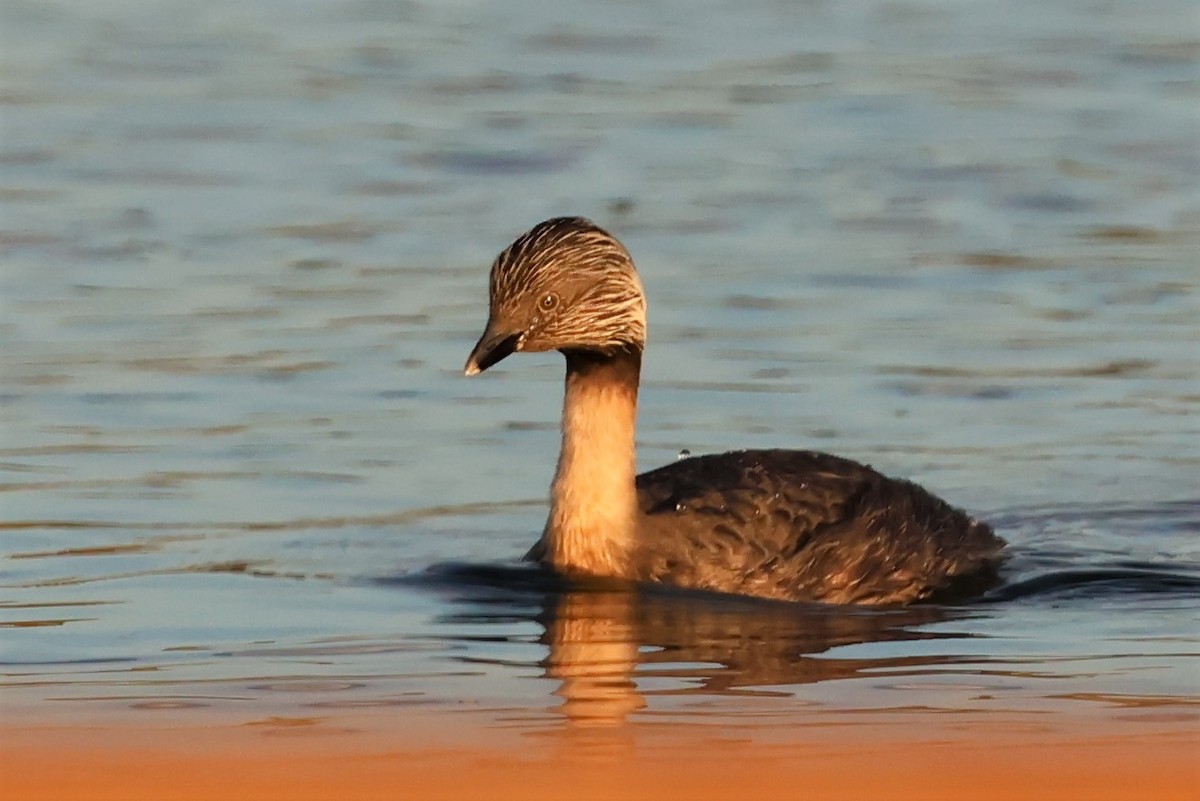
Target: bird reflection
[594, 654]
[601, 641]
[602, 637]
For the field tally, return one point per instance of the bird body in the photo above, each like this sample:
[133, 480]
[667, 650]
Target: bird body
[785, 524]
[802, 525]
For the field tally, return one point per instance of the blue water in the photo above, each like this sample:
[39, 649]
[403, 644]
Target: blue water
[244, 256]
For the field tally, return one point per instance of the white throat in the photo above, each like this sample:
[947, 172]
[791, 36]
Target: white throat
[593, 503]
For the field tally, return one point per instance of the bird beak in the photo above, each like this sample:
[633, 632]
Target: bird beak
[492, 347]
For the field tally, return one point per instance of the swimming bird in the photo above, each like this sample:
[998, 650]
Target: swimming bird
[792, 525]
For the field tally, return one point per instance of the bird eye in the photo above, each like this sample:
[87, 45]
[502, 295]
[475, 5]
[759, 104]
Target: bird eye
[548, 301]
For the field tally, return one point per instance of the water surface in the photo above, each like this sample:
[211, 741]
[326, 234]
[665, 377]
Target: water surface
[244, 258]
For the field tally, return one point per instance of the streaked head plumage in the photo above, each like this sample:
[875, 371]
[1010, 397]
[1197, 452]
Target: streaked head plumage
[564, 284]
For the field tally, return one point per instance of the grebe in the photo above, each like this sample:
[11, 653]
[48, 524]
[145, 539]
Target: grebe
[785, 524]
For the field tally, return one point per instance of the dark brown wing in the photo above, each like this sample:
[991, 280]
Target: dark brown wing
[801, 525]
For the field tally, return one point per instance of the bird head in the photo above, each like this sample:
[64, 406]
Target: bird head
[565, 284]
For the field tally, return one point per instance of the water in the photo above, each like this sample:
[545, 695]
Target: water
[244, 258]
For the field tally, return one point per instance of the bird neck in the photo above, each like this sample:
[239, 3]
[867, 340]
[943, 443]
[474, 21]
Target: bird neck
[593, 504]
